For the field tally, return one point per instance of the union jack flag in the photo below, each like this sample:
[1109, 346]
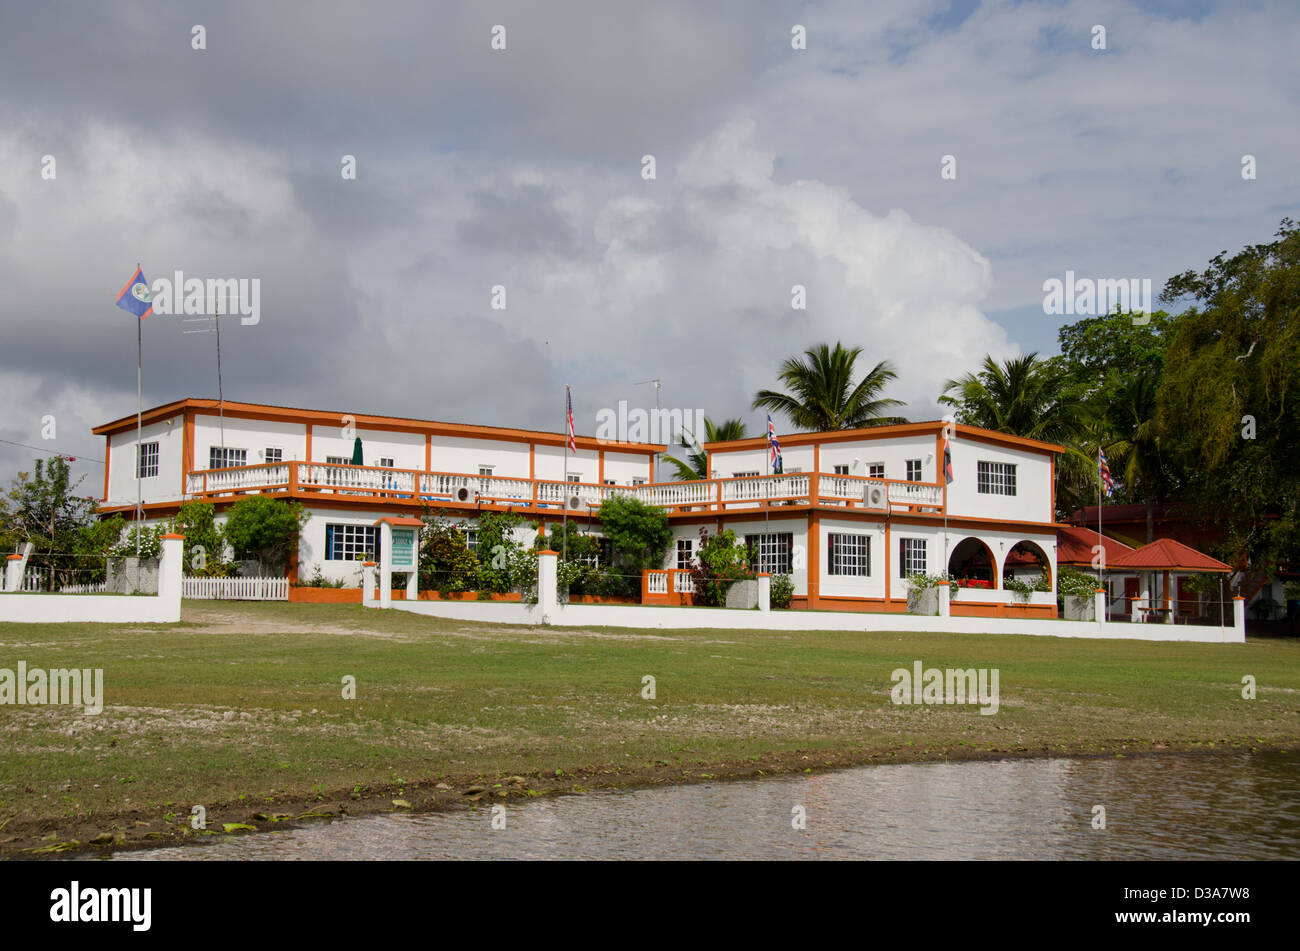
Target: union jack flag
[773, 447]
[1107, 480]
[568, 400]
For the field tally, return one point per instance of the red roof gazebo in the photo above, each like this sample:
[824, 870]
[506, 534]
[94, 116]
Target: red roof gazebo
[1166, 555]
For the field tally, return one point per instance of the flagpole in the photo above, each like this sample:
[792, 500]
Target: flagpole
[564, 498]
[1100, 540]
[139, 446]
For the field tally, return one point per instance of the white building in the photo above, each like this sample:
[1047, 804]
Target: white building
[852, 515]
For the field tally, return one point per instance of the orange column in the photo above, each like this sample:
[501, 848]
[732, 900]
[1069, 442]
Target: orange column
[108, 447]
[308, 459]
[428, 452]
[814, 557]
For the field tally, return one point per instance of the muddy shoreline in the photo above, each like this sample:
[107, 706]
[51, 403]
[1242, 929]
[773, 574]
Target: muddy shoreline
[155, 828]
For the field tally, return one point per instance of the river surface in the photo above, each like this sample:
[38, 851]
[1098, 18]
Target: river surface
[1177, 806]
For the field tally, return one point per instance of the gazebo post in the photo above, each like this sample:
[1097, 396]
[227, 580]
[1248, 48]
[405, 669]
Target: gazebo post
[1169, 614]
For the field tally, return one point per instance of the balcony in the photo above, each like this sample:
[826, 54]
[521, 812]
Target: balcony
[370, 484]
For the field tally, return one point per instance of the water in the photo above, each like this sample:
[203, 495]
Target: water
[1224, 806]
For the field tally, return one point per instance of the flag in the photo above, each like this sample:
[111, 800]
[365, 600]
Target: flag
[947, 463]
[1107, 481]
[568, 399]
[135, 297]
[774, 447]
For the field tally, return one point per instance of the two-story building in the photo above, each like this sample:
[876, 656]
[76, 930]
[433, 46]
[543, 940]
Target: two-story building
[853, 514]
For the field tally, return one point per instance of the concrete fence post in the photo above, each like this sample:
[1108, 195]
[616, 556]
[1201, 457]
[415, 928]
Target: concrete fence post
[1239, 619]
[368, 583]
[14, 573]
[1099, 605]
[945, 599]
[764, 592]
[171, 565]
[547, 591]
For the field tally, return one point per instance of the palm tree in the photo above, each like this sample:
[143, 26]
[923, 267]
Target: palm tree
[1131, 415]
[823, 396]
[696, 465]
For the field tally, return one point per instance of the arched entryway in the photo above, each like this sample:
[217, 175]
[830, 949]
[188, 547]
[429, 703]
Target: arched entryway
[972, 560]
[1026, 561]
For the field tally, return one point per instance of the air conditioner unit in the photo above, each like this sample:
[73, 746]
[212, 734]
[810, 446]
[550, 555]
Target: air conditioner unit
[464, 494]
[575, 502]
[875, 497]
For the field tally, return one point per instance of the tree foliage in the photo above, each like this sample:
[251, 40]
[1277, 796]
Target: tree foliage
[822, 395]
[265, 529]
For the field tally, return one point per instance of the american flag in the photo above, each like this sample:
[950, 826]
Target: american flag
[568, 399]
[1107, 480]
[774, 446]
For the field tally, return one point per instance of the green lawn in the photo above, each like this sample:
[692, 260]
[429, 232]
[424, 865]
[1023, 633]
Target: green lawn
[241, 704]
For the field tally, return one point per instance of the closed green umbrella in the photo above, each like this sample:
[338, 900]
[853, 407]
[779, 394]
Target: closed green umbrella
[356, 453]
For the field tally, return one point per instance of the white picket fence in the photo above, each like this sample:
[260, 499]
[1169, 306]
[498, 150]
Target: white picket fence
[236, 589]
[84, 588]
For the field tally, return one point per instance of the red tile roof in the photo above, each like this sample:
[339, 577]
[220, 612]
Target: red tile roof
[1074, 546]
[1165, 554]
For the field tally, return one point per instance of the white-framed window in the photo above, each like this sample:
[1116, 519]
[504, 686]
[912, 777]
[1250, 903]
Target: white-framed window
[995, 478]
[471, 539]
[333, 476]
[913, 470]
[610, 482]
[841, 470]
[876, 470]
[791, 469]
[911, 556]
[273, 454]
[338, 460]
[348, 542]
[772, 552]
[486, 470]
[637, 480]
[744, 475]
[224, 457]
[575, 476]
[685, 552]
[146, 461]
[385, 462]
[848, 554]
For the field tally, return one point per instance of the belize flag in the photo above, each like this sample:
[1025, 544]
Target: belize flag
[774, 447]
[135, 297]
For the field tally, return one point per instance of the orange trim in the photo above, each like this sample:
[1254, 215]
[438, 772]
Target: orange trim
[108, 448]
[600, 467]
[309, 428]
[12, 557]
[428, 452]
[1052, 513]
[547, 551]
[400, 520]
[187, 449]
[814, 559]
[261, 411]
[174, 535]
[887, 598]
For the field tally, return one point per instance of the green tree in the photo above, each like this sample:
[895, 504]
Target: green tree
[696, 465]
[266, 529]
[822, 395]
[43, 508]
[502, 557]
[639, 533]
[205, 541]
[1228, 400]
[720, 561]
[446, 563]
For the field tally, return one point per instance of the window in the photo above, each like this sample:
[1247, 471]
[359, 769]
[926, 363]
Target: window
[685, 552]
[272, 454]
[995, 478]
[351, 542]
[744, 475]
[146, 461]
[334, 476]
[789, 469]
[223, 457]
[771, 553]
[485, 470]
[841, 470]
[471, 539]
[610, 482]
[913, 470]
[575, 476]
[638, 481]
[338, 460]
[876, 470]
[848, 554]
[385, 462]
[911, 556]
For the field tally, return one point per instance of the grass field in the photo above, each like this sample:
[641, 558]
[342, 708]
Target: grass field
[240, 708]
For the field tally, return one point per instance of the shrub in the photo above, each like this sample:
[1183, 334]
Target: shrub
[446, 563]
[720, 562]
[782, 591]
[1073, 583]
[639, 533]
[266, 529]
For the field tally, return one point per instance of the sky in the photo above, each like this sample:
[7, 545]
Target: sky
[524, 168]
